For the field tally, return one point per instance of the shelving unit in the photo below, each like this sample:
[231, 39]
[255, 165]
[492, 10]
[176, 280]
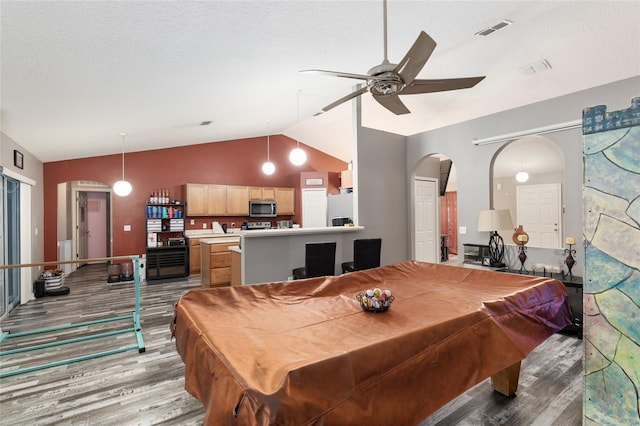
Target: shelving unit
[167, 254]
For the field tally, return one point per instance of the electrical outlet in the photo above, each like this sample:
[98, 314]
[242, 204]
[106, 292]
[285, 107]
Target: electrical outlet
[463, 230]
[192, 222]
[127, 228]
[204, 225]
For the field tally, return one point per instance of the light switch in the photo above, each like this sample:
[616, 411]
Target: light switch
[462, 230]
[127, 228]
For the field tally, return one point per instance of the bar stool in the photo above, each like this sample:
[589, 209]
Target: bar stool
[366, 255]
[319, 261]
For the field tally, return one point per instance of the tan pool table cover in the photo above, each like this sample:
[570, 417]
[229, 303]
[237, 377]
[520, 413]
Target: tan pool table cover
[305, 353]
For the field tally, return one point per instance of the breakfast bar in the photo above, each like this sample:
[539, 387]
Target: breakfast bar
[270, 255]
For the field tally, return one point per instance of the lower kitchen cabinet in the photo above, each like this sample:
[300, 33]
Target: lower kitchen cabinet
[216, 264]
[194, 255]
[167, 262]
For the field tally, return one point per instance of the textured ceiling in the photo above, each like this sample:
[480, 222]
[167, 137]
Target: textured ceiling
[77, 73]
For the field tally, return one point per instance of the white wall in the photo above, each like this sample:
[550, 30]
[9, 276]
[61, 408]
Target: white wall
[473, 162]
[381, 190]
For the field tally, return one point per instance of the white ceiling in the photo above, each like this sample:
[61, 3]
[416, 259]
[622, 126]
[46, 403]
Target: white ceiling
[77, 73]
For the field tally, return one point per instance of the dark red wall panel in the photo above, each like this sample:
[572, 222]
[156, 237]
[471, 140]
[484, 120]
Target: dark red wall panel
[237, 162]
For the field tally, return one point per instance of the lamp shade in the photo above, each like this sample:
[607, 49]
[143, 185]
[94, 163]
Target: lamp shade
[492, 220]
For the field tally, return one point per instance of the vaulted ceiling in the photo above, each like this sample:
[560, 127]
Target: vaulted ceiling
[77, 73]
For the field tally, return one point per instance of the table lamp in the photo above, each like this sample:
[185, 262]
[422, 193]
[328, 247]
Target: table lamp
[491, 221]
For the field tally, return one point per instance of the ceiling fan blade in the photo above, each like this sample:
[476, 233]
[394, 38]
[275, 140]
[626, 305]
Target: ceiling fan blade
[416, 57]
[392, 103]
[340, 74]
[345, 98]
[441, 85]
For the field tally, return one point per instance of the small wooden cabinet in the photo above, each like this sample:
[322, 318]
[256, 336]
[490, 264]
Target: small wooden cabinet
[262, 194]
[285, 200]
[194, 255]
[237, 201]
[216, 263]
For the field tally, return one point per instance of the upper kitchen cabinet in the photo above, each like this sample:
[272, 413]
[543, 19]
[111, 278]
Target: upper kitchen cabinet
[285, 201]
[237, 201]
[207, 199]
[262, 194]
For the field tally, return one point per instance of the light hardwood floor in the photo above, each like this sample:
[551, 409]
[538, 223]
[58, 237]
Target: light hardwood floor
[130, 388]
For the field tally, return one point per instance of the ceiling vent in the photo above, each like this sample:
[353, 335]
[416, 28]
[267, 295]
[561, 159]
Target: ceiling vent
[206, 123]
[536, 67]
[493, 29]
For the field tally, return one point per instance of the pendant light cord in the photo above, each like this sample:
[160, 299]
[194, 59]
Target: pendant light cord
[268, 133]
[298, 119]
[123, 135]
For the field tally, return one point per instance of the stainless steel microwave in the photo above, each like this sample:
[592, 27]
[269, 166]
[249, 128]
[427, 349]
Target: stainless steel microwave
[262, 208]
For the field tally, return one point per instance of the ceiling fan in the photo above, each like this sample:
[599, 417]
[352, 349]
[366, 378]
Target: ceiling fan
[386, 81]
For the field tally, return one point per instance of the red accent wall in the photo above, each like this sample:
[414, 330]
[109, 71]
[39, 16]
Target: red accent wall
[236, 162]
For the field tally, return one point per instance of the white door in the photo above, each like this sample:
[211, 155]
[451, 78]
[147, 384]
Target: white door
[314, 208]
[96, 224]
[539, 214]
[426, 221]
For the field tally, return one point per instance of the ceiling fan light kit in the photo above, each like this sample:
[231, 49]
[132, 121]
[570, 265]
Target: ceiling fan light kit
[386, 81]
[122, 187]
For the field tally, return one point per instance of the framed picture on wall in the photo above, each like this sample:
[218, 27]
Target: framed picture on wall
[18, 159]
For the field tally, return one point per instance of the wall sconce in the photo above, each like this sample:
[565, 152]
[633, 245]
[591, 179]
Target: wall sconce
[122, 187]
[297, 156]
[491, 221]
[268, 167]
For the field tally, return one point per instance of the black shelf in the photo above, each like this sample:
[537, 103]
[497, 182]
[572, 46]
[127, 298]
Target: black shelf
[165, 224]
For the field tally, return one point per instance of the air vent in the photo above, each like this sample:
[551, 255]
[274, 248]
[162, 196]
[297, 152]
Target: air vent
[206, 123]
[493, 29]
[536, 67]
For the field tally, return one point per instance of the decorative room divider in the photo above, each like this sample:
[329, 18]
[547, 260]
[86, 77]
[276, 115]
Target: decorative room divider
[611, 205]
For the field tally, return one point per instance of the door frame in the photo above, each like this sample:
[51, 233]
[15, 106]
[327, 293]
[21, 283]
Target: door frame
[82, 186]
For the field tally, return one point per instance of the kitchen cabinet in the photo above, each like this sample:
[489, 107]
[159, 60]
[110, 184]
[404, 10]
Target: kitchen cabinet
[236, 267]
[346, 179]
[285, 200]
[194, 255]
[206, 199]
[216, 263]
[237, 201]
[232, 200]
[262, 194]
[197, 195]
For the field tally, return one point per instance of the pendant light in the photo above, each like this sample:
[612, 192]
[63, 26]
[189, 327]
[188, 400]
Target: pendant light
[297, 156]
[522, 176]
[268, 167]
[122, 187]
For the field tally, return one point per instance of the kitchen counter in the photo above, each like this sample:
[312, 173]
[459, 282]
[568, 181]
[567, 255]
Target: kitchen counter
[270, 255]
[221, 239]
